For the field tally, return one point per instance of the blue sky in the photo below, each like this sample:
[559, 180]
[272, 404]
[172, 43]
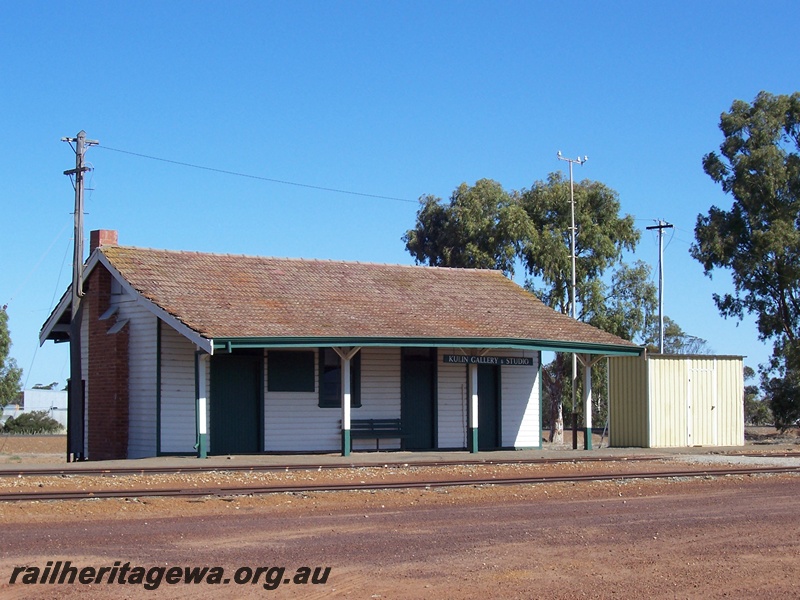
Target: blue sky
[395, 99]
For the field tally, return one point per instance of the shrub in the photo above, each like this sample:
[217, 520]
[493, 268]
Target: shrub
[37, 421]
[784, 400]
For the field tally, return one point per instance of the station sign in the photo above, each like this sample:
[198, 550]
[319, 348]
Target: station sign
[512, 361]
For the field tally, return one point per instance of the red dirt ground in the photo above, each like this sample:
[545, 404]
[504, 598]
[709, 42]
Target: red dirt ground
[730, 537]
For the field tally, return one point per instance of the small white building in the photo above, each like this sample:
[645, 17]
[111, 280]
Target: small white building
[53, 402]
[671, 401]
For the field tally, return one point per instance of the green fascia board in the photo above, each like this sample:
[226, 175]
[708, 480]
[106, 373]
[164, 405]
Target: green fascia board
[228, 344]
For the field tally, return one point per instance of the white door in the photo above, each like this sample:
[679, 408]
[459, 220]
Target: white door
[702, 403]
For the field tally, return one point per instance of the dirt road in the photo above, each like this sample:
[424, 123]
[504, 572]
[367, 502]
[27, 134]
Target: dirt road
[733, 537]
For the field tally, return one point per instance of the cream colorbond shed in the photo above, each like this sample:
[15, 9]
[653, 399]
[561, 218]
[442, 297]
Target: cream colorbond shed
[671, 401]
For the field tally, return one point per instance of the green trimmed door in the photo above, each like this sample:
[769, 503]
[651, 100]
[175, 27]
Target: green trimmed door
[236, 403]
[417, 397]
[488, 407]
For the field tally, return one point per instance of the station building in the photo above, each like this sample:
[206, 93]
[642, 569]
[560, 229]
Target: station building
[192, 353]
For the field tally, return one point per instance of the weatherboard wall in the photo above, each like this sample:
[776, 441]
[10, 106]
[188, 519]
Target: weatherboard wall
[380, 392]
[294, 421]
[519, 403]
[141, 325]
[142, 343]
[162, 398]
[176, 421]
[177, 394]
[142, 368]
[452, 396]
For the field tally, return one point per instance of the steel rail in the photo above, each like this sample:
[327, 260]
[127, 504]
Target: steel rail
[225, 491]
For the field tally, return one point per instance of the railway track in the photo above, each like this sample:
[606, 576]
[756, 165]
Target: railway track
[225, 491]
[80, 470]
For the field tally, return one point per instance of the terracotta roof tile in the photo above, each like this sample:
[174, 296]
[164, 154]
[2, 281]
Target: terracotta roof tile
[231, 296]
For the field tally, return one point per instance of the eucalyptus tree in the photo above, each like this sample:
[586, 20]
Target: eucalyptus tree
[757, 240]
[603, 235]
[485, 226]
[10, 374]
[479, 227]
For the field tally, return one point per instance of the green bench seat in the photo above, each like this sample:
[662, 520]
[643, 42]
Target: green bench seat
[377, 429]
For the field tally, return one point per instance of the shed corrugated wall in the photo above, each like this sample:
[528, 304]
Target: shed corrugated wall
[701, 402]
[730, 390]
[687, 401]
[667, 401]
[627, 381]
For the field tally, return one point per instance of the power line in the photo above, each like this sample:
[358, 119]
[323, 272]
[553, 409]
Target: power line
[52, 303]
[38, 264]
[259, 177]
[672, 235]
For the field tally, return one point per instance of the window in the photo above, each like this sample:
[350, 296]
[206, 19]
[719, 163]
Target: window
[290, 371]
[330, 379]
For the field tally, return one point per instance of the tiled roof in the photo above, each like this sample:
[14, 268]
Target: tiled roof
[229, 296]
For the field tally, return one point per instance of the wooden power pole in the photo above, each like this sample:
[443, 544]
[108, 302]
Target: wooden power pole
[75, 403]
[662, 225]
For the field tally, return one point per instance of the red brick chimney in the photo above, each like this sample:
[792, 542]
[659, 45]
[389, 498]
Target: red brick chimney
[102, 237]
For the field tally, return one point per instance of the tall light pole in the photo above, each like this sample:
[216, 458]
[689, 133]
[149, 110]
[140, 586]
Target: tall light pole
[573, 299]
[572, 161]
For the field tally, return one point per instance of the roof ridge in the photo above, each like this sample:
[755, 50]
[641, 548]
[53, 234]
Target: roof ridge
[296, 259]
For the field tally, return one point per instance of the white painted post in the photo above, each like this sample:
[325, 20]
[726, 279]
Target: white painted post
[473, 408]
[346, 393]
[202, 406]
[587, 402]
